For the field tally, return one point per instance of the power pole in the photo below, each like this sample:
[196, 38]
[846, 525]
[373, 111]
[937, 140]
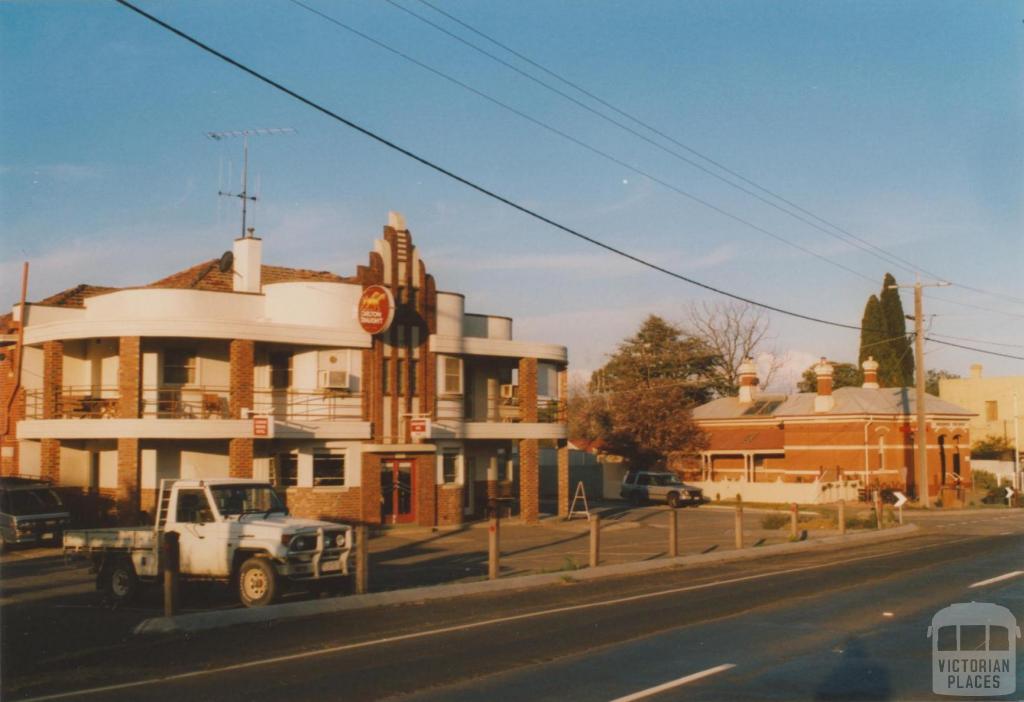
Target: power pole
[1018, 470]
[919, 380]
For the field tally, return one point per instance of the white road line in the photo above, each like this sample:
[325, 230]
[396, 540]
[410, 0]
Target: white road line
[674, 683]
[477, 625]
[998, 578]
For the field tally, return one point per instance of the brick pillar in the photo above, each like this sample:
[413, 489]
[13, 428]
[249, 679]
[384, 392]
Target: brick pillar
[127, 481]
[49, 459]
[8, 423]
[240, 458]
[129, 377]
[529, 479]
[426, 490]
[53, 377]
[241, 356]
[370, 489]
[564, 494]
[528, 389]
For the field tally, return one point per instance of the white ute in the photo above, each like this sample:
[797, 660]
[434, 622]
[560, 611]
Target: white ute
[228, 529]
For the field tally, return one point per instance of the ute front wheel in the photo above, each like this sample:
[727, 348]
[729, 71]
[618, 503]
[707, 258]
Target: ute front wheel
[257, 583]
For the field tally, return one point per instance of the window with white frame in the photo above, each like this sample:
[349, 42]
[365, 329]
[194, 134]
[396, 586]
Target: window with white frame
[180, 367]
[452, 375]
[328, 470]
[450, 467]
[284, 470]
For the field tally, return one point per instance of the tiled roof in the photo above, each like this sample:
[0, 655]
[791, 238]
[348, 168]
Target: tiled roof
[208, 276]
[75, 297]
[847, 401]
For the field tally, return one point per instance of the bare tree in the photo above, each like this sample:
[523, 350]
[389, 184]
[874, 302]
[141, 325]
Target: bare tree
[735, 330]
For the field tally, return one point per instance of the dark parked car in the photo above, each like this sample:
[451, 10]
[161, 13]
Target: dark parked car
[30, 513]
[640, 486]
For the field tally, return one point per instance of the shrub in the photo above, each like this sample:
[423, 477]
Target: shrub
[774, 521]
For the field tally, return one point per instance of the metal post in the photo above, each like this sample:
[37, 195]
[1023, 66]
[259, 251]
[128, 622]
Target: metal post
[673, 532]
[794, 517]
[739, 521]
[878, 508]
[842, 516]
[595, 540]
[172, 565]
[922, 429]
[362, 560]
[493, 545]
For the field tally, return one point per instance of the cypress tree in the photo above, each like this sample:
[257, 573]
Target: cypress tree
[897, 368]
[872, 331]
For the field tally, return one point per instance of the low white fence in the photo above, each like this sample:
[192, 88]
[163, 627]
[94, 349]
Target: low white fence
[803, 493]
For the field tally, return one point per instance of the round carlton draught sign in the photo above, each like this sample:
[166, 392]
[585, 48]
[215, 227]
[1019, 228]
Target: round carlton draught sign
[376, 309]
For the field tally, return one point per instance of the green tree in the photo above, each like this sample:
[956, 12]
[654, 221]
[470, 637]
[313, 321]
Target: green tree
[641, 400]
[992, 448]
[844, 375]
[872, 331]
[932, 378]
[896, 363]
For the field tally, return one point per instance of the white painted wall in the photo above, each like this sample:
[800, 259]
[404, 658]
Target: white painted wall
[450, 313]
[30, 458]
[778, 492]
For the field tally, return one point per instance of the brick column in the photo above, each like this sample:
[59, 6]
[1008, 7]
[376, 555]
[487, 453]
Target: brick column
[240, 451]
[564, 494]
[426, 490]
[528, 389]
[529, 479]
[53, 378]
[49, 459]
[129, 377]
[127, 481]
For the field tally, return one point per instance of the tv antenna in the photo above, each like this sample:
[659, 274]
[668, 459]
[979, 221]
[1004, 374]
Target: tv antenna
[244, 195]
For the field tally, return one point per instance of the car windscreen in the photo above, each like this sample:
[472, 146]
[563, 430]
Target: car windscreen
[666, 480]
[246, 499]
[26, 502]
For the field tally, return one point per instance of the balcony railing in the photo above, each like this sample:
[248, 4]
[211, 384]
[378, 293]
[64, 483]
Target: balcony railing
[507, 409]
[193, 402]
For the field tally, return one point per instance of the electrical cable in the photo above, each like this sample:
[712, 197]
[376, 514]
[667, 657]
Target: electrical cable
[500, 198]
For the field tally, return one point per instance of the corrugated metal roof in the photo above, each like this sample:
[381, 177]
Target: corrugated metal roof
[847, 401]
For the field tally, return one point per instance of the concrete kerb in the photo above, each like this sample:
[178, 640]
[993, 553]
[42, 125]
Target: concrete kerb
[200, 621]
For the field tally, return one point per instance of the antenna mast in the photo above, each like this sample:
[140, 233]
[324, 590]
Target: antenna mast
[244, 196]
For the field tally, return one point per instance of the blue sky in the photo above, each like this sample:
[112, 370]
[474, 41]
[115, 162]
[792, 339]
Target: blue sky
[901, 122]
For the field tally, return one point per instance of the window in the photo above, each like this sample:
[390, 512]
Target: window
[280, 370]
[947, 639]
[412, 377]
[328, 470]
[449, 468]
[385, 376]
[452, 376]
[285, 470]
[179, 367]
[643, 479]
[401, 383]
[991, 411]
[193, 507]
[998, 638]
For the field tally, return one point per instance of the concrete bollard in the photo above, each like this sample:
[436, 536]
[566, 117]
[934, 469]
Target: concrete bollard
[794, 518]
[842, 517]
[739, 521]
[673, 532]
[595, 540]
[362, 560]
[494, 546]
[172, 566]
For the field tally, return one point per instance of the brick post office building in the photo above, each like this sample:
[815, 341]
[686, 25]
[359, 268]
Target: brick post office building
[371, 398]
[863, 435]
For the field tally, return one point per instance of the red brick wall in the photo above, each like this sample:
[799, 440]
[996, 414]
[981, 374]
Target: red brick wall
[426, 497]
[241, 358]
[563, 479]
[8, 424]
[449, 505]
[49, 459]
[528, 389]
[370, 489]
[129, 377]
[529, 479]
[240, 458]
[128, 497]
[327, 504]
[53, 376]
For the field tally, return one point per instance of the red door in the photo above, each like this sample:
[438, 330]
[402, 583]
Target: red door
[397, 491]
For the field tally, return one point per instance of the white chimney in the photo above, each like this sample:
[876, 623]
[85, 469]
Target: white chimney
[748, 381]
[248, 253]
[824, 401]
[870, 367]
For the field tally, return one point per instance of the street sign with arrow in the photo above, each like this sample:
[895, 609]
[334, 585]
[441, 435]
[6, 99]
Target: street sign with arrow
[901, 500]
[1009, 495]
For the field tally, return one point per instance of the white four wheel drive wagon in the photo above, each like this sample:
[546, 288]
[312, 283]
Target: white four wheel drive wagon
[227, 529]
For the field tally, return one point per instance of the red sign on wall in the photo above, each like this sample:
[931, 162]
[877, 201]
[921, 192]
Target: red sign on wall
[261, 426]
[419, 427]
[376, 309]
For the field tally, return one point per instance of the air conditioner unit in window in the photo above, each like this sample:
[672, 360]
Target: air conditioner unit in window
[334, 380]
[508, 392]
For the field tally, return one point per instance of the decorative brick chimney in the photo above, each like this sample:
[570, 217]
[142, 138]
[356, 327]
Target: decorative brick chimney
[824, 401]
[748, 381]
[870, 367]
[975, 370]
[248, 253]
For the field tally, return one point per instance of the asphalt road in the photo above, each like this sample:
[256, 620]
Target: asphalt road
[838, 625]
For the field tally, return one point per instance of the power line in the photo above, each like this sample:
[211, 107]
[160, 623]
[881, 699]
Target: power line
[568, 137]
[500, 198]
[876, 251]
